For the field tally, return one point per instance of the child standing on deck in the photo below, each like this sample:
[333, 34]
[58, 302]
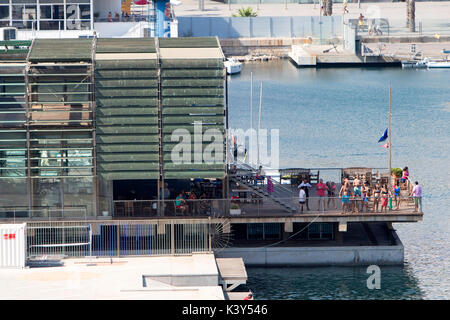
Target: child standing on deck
[302, 198]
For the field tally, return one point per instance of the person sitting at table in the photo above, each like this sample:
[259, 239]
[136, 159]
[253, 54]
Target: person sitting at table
[193, 202]
[180, 203]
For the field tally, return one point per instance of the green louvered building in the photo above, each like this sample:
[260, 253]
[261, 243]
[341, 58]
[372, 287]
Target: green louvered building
[87, 125]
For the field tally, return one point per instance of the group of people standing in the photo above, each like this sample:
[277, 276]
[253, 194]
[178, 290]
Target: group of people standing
[322, 190]
[358, 196]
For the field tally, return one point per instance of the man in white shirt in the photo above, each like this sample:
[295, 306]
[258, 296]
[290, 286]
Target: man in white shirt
[306, 186]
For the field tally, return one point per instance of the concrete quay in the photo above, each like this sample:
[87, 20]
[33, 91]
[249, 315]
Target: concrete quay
[359, 246]
[185, 277]
[387, 10]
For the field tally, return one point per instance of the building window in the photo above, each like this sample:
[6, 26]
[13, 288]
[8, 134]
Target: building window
[263, 231]
[320, 231]
[24, 16]
[4, 12]
[50, 16]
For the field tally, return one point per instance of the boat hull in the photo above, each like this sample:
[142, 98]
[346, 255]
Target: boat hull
[444, 64]
[233, 68]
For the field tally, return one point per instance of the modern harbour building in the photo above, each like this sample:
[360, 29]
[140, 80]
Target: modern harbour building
[120, 147]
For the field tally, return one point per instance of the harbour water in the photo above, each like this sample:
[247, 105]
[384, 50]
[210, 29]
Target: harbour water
[334, 118]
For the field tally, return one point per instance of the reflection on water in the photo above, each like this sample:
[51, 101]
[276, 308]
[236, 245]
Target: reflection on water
[331, 283]
[334, 118]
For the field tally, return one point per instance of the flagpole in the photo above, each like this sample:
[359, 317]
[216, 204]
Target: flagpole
[251, 118]
[390, 143]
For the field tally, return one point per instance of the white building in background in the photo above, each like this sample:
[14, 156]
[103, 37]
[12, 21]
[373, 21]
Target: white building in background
[78, 18]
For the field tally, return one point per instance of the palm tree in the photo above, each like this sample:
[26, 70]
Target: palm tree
[327, 7]
[245, 12]
[411, 15]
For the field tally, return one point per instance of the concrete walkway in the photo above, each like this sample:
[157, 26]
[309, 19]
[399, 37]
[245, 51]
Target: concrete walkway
[388, 10]
[122, 279]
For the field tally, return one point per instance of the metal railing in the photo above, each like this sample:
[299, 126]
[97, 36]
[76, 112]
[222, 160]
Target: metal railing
[119, 238]
[42, 213]
[247, 204]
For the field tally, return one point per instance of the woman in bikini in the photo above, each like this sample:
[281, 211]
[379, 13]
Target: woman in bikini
[384, 198]
[396, 192]
[376, 197]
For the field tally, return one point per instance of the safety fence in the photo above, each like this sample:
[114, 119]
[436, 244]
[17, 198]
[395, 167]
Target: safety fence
[121, 238]
[43, 213]
[322, 27]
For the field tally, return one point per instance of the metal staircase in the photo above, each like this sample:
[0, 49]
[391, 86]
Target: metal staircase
[281, 196]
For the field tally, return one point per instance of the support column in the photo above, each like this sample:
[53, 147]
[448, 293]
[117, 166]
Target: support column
[92, 14]
[38, 16]
[65, 15]
[161, 204]
[338, 235]
[288, 229]
[95, 180]
[28, 155]
[10, 13]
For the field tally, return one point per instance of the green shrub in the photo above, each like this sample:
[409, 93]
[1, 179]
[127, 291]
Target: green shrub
[397, 172]
[245, 12]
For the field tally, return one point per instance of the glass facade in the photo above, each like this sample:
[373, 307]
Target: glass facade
[46, 142]
[46, 14]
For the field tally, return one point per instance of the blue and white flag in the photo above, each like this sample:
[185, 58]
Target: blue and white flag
[384, 137]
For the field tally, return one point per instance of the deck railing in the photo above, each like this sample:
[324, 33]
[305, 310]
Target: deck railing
[119, 238]
[247, 205]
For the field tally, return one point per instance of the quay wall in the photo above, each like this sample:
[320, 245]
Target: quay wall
[406, 39]
[278, 47]
[317, 256]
